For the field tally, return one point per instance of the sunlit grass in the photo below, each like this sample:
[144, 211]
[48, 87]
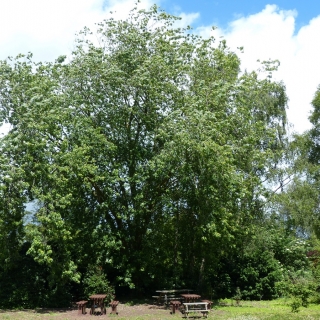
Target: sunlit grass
[260, 310]
[225, 310]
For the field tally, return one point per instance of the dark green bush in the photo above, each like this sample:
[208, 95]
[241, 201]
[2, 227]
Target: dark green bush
[96, 282]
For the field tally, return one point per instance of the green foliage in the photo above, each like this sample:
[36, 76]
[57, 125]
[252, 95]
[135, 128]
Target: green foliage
[237, 296]
[271, 254]
[299, 287]
[25, 285]
[96, 282]
[298, 203]
[314, 132]
[147, 152]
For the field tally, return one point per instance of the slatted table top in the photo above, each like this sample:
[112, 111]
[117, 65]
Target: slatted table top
[174, 291]
[98, 296]
[191, 296]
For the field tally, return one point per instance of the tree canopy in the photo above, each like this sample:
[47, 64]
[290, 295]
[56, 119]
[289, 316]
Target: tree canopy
[146, 154]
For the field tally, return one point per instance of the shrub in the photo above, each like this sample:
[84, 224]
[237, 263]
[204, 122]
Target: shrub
[299, 287]
[95, 282]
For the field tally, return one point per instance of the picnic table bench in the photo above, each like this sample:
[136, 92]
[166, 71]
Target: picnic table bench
[190, 307]
[113, 305]
[209, 303]
[175, 305]
[165, 296]
[82, 305]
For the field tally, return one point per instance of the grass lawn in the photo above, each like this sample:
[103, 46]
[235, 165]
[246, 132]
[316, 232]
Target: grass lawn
[271, 310]
[227, 310]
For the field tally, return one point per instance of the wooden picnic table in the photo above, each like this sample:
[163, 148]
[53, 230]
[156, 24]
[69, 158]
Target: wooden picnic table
[174, 291]
[190, 297]
[97, 301]
[167, 295]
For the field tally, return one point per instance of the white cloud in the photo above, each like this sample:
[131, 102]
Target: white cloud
[47, 28]
[271, 34]
[186, 19]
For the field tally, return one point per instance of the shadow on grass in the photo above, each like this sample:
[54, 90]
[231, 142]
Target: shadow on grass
[53, 310]
[149, 303]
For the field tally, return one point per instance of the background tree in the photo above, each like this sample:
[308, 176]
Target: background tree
[298, 204]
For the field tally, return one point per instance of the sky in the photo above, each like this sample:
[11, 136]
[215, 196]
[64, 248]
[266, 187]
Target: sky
[281, 29]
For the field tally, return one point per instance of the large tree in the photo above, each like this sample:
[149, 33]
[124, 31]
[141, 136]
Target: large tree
[147, 152]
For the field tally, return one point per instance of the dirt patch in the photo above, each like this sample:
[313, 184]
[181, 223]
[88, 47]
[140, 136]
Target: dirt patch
[125, 311]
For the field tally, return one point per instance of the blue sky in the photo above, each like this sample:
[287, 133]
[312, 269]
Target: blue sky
[280, 29]
[222, 12]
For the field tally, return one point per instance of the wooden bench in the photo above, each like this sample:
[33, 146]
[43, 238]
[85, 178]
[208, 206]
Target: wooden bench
[113, 305]
[172, 297]
[191, 307]
[175, 304]
[209, 303]
[158, 298]
[82, 305]
[166, 298]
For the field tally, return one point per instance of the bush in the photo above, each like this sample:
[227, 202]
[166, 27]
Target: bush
[300, 288]
[96, 282]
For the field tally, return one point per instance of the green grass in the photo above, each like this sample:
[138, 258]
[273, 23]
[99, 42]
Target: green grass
[247, 310]
[264, 310]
